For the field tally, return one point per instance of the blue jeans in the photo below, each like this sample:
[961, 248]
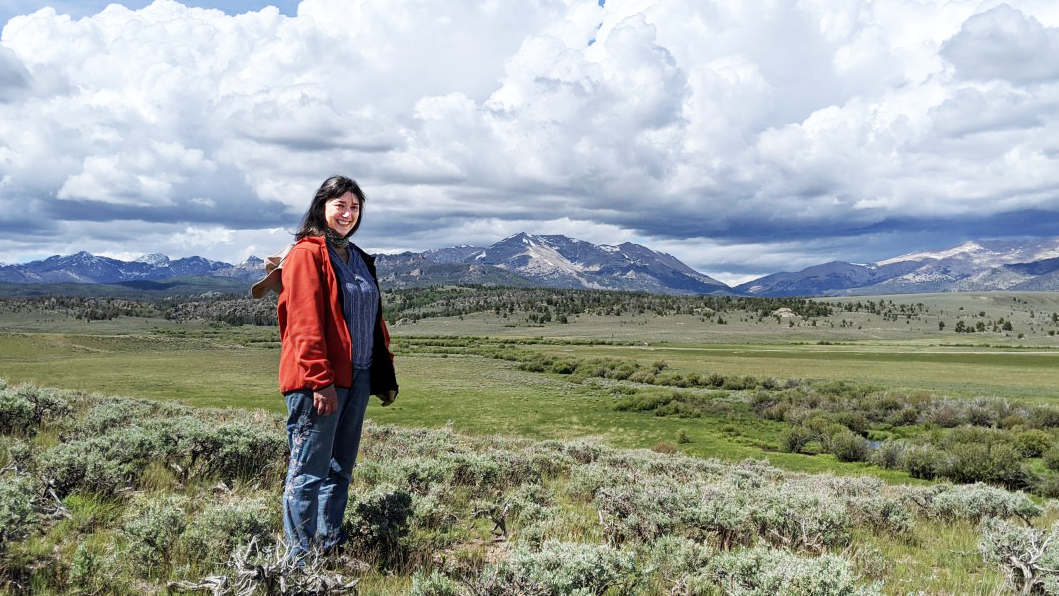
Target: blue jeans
[323, 451]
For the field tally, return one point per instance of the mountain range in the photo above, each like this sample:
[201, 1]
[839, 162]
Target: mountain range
[563, 262]
[974, 266]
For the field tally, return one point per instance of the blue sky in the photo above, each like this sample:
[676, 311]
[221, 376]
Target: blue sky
[78, 9]
[742, 136]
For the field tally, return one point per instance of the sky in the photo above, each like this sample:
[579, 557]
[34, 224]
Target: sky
[744, 137]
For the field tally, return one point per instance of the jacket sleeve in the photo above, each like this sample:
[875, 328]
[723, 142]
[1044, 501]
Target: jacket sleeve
[306, 310]
[386, 339]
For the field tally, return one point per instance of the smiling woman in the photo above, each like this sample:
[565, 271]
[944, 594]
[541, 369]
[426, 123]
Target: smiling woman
[334, 355]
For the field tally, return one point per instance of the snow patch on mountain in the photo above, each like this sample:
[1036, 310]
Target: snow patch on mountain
[966, 247]
[155, 259]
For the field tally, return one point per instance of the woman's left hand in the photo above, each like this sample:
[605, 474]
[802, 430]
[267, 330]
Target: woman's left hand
[388, 397]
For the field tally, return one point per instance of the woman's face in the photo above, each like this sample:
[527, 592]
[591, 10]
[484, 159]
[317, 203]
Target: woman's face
[342, 213]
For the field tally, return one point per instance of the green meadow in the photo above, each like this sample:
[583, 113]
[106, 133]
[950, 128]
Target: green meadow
[212, 364]
[878, 401]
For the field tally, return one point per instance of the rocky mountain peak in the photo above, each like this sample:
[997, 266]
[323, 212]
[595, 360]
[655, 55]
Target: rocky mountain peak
[156, 259]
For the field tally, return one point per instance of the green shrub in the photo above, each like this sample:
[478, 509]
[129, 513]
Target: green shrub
[18, 509]
[766, 572]
[883, 514]
[44, 405]
[847, 446]
[1034, 442]
[1045, 416]
[888, 454]
[84, 568]
[378, 522]
[977, 501]
[1007, 467]
[967, 462]
[1029, 556]
[101, 464]
[559, 568]
[152, 529]
[218, 530]
[1047, 486]
[921, 461]
[673, 557]
[795, 438]
[906, 416]
[640, 513]
[947, 414]
[95, 571]
[664, 447]
[1051, 458]
[435, 584]
[856, 422]
[16, 413]
[796, 518]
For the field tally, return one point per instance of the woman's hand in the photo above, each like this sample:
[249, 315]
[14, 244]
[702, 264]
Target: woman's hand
[325, 401]
[388, 397]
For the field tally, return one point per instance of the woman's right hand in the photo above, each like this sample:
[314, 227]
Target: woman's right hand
[325, 401]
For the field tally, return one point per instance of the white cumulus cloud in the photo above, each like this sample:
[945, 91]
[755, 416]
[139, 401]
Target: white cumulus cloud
[781, 129]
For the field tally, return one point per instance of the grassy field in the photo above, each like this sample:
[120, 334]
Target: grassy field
[425, 502]
[461, 387]
[218, 365]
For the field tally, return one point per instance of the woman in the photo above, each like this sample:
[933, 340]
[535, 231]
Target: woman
[334, 355]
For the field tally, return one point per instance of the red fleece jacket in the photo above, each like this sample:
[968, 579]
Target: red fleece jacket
[316, 348]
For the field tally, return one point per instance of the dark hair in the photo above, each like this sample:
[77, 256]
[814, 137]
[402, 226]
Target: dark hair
[314, 223]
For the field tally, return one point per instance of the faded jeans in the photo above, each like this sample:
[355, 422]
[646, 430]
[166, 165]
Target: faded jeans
[323, 451]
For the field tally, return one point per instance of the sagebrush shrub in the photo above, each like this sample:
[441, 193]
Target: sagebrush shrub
[214, 533]
[245, 451]
[673, 557]
[641, 513]
[558, 568]
[24, 408]
[16, 413]
[722, 515]
[114, 412]
[435, 584]
[1029, 556]
[883, 513]
[800, 519]
[587, 479]
[752, 473]
[152, 529]
[378, 522]
[100, 464]
[975, 502]
[18, 508]
[767, 572]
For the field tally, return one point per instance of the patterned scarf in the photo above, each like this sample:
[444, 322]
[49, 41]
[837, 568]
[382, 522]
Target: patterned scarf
[334, 240]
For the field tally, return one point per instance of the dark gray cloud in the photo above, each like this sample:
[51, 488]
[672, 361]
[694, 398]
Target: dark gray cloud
[15, 80]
